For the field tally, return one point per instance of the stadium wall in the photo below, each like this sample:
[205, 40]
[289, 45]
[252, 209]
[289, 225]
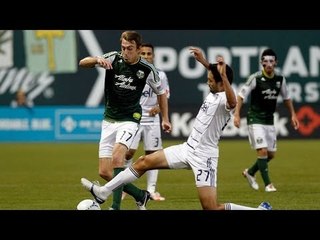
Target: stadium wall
[45, 64]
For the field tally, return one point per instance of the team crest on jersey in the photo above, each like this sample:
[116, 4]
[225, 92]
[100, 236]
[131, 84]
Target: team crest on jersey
[205, 106]
[136, 116]
[278, 84]
[259, 140]
[140, 74]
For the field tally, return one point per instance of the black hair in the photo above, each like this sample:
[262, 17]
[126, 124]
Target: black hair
[268, 52]
[217, 77]
[148, 45]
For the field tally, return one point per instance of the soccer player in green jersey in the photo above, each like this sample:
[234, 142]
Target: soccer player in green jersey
[264, 86]
[149, 130]
[126, 76]
[200, 152]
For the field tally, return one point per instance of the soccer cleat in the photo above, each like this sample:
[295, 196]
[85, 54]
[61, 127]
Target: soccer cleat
[143, 203]
[156, 197]
[270, 188]
[251, 180]
[92, 188]
[265, 206]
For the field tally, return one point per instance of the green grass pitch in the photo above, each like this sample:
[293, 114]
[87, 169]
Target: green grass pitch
[46, 176]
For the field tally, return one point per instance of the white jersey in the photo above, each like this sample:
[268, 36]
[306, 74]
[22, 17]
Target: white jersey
[149, 99]
[212, 118]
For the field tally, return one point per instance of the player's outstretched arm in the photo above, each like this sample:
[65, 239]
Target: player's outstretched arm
[231, 97]
[90, 62]
[198, 55]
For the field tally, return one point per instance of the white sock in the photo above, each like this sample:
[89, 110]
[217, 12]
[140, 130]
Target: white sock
[152, 176]
[122, 178]
[232, 206]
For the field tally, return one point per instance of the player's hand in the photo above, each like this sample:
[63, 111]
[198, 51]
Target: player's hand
[295, 123]
[221, 65]
[199, 56]
[104, 63]
[236, 121]
[166, 126]
[196, 52]
[154, 111]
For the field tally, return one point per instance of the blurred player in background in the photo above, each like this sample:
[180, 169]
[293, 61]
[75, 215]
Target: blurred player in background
[21, 100]
[264, 86]
[149, 130]
[126, 76]
[201, 150]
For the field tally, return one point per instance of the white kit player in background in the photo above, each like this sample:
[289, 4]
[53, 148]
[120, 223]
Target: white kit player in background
[149, 130]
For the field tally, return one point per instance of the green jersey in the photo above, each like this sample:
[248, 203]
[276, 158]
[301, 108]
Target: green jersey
[123, 87]
[264, 94]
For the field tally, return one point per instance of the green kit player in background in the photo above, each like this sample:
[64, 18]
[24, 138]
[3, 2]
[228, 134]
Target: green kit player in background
[126, 76]
[264, 86]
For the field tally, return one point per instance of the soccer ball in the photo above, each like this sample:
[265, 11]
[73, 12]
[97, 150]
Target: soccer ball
[88, 204]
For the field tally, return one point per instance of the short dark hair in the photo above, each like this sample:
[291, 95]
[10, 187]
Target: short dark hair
[268, 52]
[147, 45]
[217, 77]
[132, 36]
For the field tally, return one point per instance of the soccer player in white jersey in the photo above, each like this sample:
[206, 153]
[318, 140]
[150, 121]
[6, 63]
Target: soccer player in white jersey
[200, 152]
[149, 130]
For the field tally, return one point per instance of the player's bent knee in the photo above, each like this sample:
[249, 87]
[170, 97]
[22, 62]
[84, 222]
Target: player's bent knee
[143, 163]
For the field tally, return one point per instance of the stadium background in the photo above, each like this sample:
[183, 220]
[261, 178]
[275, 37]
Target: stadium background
[65, 122]
[69, 101]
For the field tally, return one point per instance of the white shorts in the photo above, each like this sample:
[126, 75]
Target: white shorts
[115, 132]
[204, 168]
[151, 137]
[262, 136]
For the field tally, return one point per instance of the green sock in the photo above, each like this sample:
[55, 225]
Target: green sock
[254, 168]
[263, 167]
[135, 192]
[117, 193]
